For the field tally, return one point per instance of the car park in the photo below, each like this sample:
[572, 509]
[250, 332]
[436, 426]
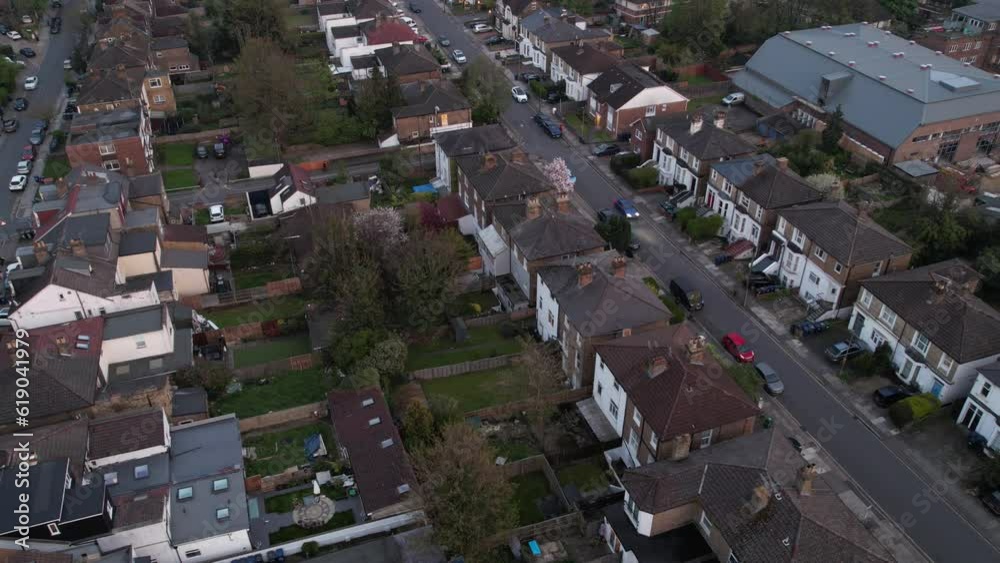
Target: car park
[24, 167]
[459, 56]
[18, 182]
[737, 346]
[520, 96]
[27, 52]
[13, 35]
[605, 149]
[733, 99]
[627, 208]
[843, 350]
[685, 295]
[20, 104]
[889, 395]
[772, 382]
[480, 28]
[31, 83]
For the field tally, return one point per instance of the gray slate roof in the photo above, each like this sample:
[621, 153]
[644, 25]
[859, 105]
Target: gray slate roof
[586, 59]
[142, 218]
[146, 185]
[709, 142]
[956, 321]
[134, 322]
[475, 140]
[190, 259]
[189, 400]
[616, 86]
[127, 432]
[92, 230]
[58, 385]
[771, 186]
[837, 229]
[555, 234]
[988, 11]
[137, 242]
[342, 193]
[510, 175]
[786, 66]
[407, 59]
[430, 97]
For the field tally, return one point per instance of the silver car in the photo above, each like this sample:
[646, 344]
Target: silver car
[772, 383]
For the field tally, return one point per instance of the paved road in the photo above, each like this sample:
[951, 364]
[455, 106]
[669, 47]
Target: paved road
[872, 463]
[41, 102]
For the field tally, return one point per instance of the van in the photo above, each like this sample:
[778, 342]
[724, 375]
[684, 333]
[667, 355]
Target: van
[685, 295]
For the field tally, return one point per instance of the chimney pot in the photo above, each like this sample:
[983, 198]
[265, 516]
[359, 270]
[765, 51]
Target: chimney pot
[758, 166]
[41, 252]
[782, 162]
[696, 350]
[618, 267]
[656, 366]
[585, 274]
[720, 119]
[533, 208]
[696, 121]
[806, 475]
[489, 161]
[759, 499]
[562, 203]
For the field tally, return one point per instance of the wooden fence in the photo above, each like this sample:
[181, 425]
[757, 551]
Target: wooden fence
[209, 135]
[288, 286]
[487, 320]
[464, 367]
[570, 519]
[510, 409]
[284, 365]
[280, 418]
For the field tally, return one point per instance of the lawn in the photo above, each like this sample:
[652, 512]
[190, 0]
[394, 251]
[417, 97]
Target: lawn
[178, 179]
[201, 216]
[743, 374]
[480, 389]
[282, 392]
[587, 476]
[585, 127]
[515, 450]
[296, 18]
[696, 80]
[56, 167]
[286, 502]
[277, 451]
[466, 303]
[482, 342]
[177, 154]
[529, 490]
[699, 102]
[273, 349]
[257, 278]
[289, 533]
[284, 307]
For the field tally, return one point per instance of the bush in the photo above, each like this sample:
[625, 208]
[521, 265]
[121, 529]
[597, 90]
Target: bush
[539, 88]
[642, 177]
[878, 362]
[701, 228]
[617, 231]
[622, 162]
[913, 409]
[684, 216]
[310, 548]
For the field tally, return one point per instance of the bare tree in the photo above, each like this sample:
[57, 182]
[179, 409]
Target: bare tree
[540, 363]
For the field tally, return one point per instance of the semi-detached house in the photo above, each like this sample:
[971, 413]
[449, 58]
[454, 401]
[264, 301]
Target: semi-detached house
[487, 180]
[549, 28]
[578, 65]
[625, 93]
[981, 411]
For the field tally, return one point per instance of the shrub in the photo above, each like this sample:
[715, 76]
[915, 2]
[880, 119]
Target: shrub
[539, 88]
[617, 231]
[642, 177]
[878, 362]
[701, 228]
[684, 216]
[507, 330]
[622, 162]
[913, 409]
[310, 548]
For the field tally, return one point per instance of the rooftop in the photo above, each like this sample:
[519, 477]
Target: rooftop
[554, 234]
[128, 432]
[387, 32]
[184, 259]
[618, 85]
[407, 59]
[475, 140]
[585, 58]
[502, 175]
[134, 322]
[137, 242]
[707, 142]
[768, 183]
[837, 228]
[428, 97]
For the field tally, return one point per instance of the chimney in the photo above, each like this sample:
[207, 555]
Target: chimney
[562, 203]
[489, 161]
[533, 208]
[720, 119]
[806, 475]
[63, 345]
[759, 499]
[696, 350]
[517, 156]
[656, 366]
[41, 252]
[618, 267]
[782, 162]
[758, 166]
[585, 273]
[681, 447]
[77, 247]
[696, 121]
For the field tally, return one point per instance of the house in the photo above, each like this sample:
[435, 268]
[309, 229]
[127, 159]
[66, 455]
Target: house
[430, 107]
[642, 13]
[148, 191]
[408, 63]
[378, 33]
[62, 440]
[294, 189]
[748, 192]
[364, 428]
[900, 101]
[666, 397]
[489, 179]
[968, 35]
[752, 498]
[139, 333]
[578, 65]
[936, 330]
[530, 238]
[127, 436]
[981, 411]
[189, 269]
[142, 253]
[102, 91]
[552, 27]
[684, 149]
[584, 304]
[449, 145]
[139, 253]
[508, 14]
[190, 404]
[173, 56]
[118, 140]
[825, 249]
[625, 93]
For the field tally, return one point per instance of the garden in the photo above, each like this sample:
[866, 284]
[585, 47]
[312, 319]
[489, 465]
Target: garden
[289, 533]
[586, 128]
[698, 228]
[481, 342]
[287, 501]
[279, 450]
[201, 216]
[626, 166]
[176, 154]
[480, 389]
[276, 393]
[743, 374]
[588, 476]
[56, 166]
[272, 349]
[283, 307]
[260, 258]
[530, 490]
[179, 179]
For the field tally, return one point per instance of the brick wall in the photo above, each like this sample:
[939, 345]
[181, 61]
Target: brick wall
[129, 154]
[419, 126]
[675, 518]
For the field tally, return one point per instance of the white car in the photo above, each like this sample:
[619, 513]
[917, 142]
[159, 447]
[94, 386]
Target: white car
[26, 19]
[520, 96]
[30, 83]
[480, 28]
[13, 35]
[68, 64]
[459, 56]
[733, 99]
[24, 167]
[408, 21]
[216, 214]
[18, 182]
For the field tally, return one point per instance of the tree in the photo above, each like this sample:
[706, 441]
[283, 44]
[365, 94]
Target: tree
[827, 183]
[988, 264]
[212, 377]
[387, 358]
[348, 349]
[360, 293]
[803, 153]
[362, 378]
[424, 277]
[418, 426]
[617, 231]
[940, 236]
[380, 232]
[334, 248]
[238, 21]
[262, 90]
[487, 89]
[698, 26]
[540, 363]
[833, 132]
[901, 10]
[466, 495]
[374, 102]
[559, 175]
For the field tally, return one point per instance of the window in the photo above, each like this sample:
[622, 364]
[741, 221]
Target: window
[781, 225]
[866, 298]
[111, 478]
[54, 529]
[744, 200]
[613, 409]
[985, 389]
[193, 553]
[106, 149]
[706, 524]
[921, 343]
[838, 267]
[140, 342]
[220, 485]
[112, 165]
[798, 238]
[888, 316]
[633, 441]
[155, 82]
[706, 439]
[615, 384]
[650, 111]
[159, 99]
[600, 389]
[946, 364]
[183, 67]
[638, 134]
[185, 493]
[653, 440]
[877, 338]
[813, 278]
[222, 514]
[633, 510]
[141, 471]
[156, 363]
[636, 417]
[759, 213]
[820, 253]
[715, 175]
[979, 45]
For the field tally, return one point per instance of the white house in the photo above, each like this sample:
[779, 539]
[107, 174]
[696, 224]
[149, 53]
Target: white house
[578, 65]
[684, 149]
[609, 394]
[136, 334]
[375, 35]
[509, 13]
[551, 27]
[449, 145]
[981, 411]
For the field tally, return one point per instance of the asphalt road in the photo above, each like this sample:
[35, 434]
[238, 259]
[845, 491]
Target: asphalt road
[871, 462]
[41, 102]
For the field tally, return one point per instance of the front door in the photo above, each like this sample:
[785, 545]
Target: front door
[937, 388]
[859, 325]
[904, 374]
[972, 416]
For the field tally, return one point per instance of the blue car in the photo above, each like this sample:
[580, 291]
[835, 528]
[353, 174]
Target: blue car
[627, 208]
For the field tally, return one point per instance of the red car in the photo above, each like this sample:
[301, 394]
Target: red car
[422, 39]
[737, 346]
[28, 153]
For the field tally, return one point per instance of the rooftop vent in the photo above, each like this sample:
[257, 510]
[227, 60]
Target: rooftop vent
[913, 42]
[909, 90]
[887, 32]
[367, 402]
[966, 64]
[850, 34]
[881, 77]
[404, 488]
[926, 66]
[831, 53]
[898, 55]
[996, 76]
[809, 42]
[386, 443]
[374, 421]
[851, 63]
[937, 52]
[786, 32]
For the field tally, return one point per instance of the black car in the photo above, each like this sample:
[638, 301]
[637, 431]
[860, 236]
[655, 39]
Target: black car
[605, 215]
[886, 396]
[551, 127]
[201, 151]
[20, 104]
[4, 29]
[632, 248]
[41, 124]
[56, 20]
[530, 76]
[27, 52]
[555, 96]
[54, 144]
[605, 149]
[414, 8]
[495, 40]
[992, 502]
[55, 29]
[10, 125]
[444, 41]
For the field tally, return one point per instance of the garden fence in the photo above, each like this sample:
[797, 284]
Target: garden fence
[196, 137]
[341, 535]
[301, 362]
[464, 367]
[487, 320]
[311, 411]
[510, 409]
[289, 286]
[570, 519]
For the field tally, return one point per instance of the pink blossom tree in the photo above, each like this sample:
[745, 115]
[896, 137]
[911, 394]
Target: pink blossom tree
[558, 174]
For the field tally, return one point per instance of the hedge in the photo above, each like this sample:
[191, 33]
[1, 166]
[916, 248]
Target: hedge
[539, 88]
[701, 228]
[622, 162]
[677, 313]
[913, 409]
[642, 177]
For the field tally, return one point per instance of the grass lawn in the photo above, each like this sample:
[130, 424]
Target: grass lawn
[284, 391]
[286, 503]
[699, 102]
[289, 533]
[177, 154]
[277, 451]
[586, 476]
[177, 179]
[300, 18]
[529, 490]
[480, 389]
[485, 300]
[514, 451]
[696, 80]
[482, 342]
[270, 350]
[743, 374]
[201, 216]
[257, 278]
[585, 127]
[56, 167]
[284, 307]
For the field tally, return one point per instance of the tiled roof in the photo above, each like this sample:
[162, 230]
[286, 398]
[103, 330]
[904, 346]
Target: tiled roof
[407, 59]
[618, 85]
[766, 182]
[185, 233]
[837, 229]
[137, 242]
[146, 185]
[429, 97]
[128, 432]
[685, 398]
[63, 440]
[171, 42]
[936, 300]
[501, 175]
[133, 513]
[586, 59]
[474, 140]
[555, 234]
[184, 259]
[389, 32]
[709, 142]
[58, 386]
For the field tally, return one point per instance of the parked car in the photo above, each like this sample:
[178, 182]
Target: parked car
[20, 104]
[54, 144]
[843, 350]
[414, 8]
[55, 29]
[37, 136]
[627, 208]
[422, 39]
[68, 64]
[733, 99]
[42, 124]
[26, 19]
[890, 394]
[27, 152]
[27, 52]
[495, 40]
[444, 41]
[10, 125]
[530, 76]
[220, 150]
[24, 167]
[18, 182]
[459, 56]
[555, 96]
[520, 96]
[408, 21]
[605, 215]
[13, 35]
[685, 295]
[632, 248]
[5, 317]
[201, 151]
[480, 28]
[548, 125]
[31, 83]
[992, 502]
[605, 149]
[216, 214]
[737, 346]
[4, 29]
[772, 382]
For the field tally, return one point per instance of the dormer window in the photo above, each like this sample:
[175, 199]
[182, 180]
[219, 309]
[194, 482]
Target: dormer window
[367, 402]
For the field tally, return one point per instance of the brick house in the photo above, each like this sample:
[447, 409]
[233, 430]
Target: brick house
[102, 91]
[578, 65]
[644, 13]
[550, 28]
[968, 35]
[117, 140]
[431, 107]
[626, 93]
[408, 63]
[660, 392]
[825, 249]
[584, 304]
[173, 55]
[494, 178]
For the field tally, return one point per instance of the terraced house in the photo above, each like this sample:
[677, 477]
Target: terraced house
[937, 331]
